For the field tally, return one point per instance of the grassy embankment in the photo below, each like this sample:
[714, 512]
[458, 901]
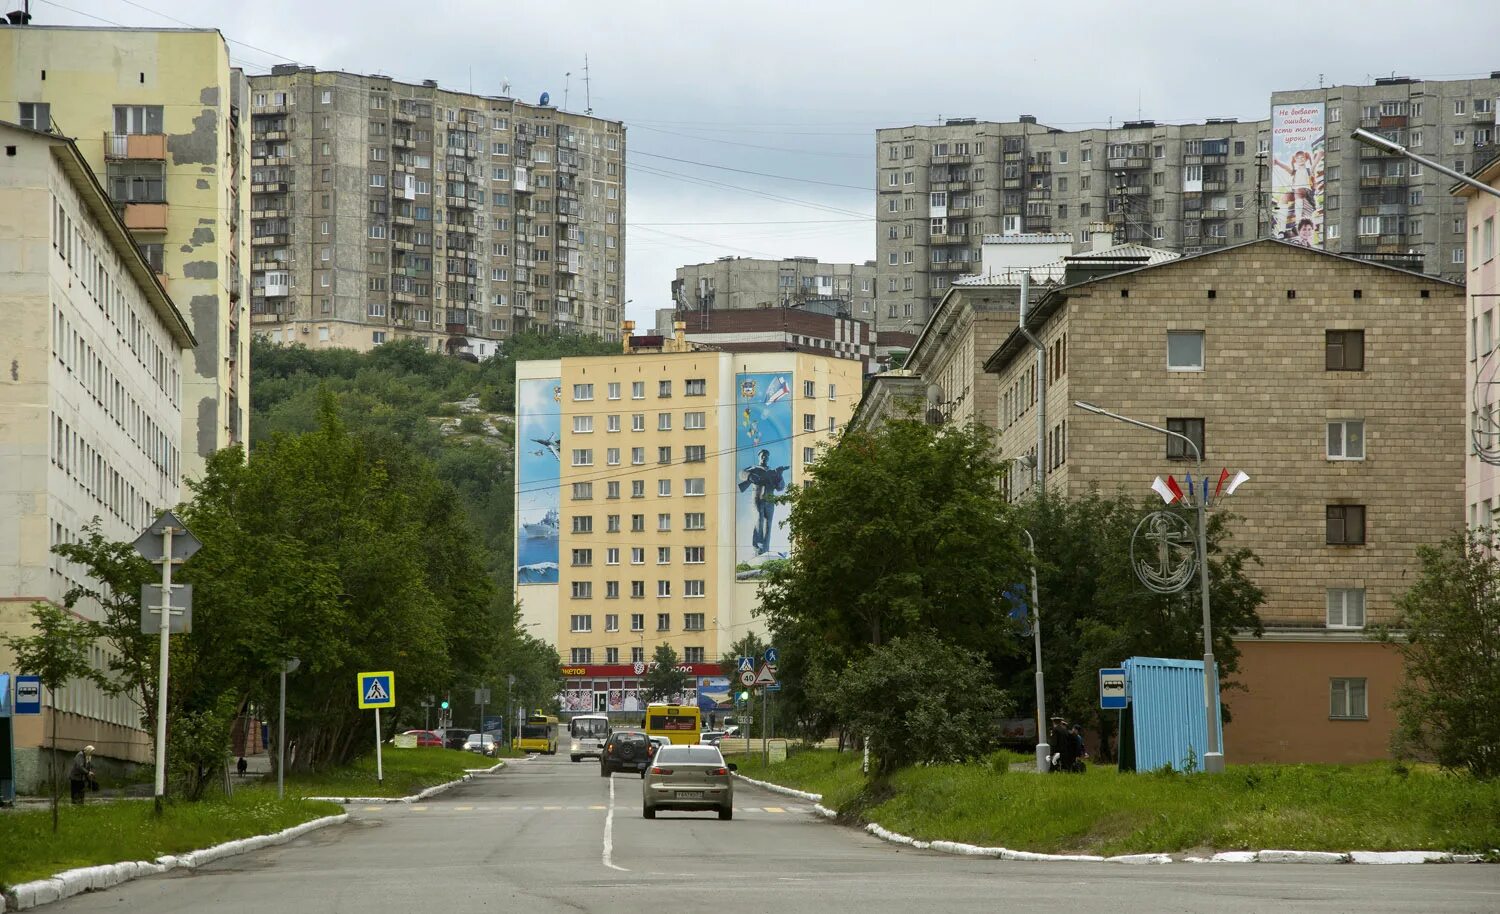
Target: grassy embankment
[127, 830]
[1376, 806]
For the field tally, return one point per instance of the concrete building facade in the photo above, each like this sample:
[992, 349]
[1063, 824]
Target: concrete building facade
[158, 114]
[783, 329]
[1482, 371]
[1334, 383]
[650, 539]
[742, 283]
[91, 414]
[385, 210]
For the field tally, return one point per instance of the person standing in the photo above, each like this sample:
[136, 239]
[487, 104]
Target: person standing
[81, 773]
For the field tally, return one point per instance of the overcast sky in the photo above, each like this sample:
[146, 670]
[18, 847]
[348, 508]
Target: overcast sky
[797, 89]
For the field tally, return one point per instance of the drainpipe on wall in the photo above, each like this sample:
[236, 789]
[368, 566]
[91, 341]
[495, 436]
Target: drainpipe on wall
[1041, 384]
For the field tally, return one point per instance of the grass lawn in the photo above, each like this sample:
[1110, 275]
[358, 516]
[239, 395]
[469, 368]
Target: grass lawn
[1377, 806]
[128, 830]
[407, 771]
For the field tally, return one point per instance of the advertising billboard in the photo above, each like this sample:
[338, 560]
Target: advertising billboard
[763, 467]
[714, 694]
[539, 444]
[1297, 138]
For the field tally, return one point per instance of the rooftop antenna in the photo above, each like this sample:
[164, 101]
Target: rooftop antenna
[1320, 80]
[588, 99]
[1137, 104]
[505, 87]
[567, 85]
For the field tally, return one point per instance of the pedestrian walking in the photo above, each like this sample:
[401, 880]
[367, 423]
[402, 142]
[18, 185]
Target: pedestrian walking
[81, 774]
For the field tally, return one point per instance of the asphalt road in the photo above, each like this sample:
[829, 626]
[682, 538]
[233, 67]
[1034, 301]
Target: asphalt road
[548, 835]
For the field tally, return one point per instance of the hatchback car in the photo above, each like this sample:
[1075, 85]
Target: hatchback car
[426, 738]
[482, 743]
[688, 777]
[626, 750]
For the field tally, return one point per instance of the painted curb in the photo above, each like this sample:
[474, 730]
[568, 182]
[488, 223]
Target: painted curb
[68, 883]
[1004, 853]
[414, 798]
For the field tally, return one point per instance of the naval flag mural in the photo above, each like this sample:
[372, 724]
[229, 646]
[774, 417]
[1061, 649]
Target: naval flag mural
[539, 445]
[763, 467]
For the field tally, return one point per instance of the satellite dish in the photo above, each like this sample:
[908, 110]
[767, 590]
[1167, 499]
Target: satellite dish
[505, 87]
[546, 99]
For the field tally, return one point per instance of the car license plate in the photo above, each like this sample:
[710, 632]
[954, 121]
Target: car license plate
[689, 794]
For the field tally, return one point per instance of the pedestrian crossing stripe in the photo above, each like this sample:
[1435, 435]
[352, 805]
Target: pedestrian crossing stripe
[377, 690]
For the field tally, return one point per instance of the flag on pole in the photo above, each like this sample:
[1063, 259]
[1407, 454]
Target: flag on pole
[1223, 476]
[1234, 483]
[1189, 479]
[1168, 489]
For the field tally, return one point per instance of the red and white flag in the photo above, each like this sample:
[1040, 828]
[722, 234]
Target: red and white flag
[1168, 490]
[1234, 483]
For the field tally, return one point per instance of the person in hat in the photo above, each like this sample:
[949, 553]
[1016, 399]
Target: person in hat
[1061, 741]
[81, 773]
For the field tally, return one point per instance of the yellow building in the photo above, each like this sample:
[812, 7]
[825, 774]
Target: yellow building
[156, 113]
[643, 499]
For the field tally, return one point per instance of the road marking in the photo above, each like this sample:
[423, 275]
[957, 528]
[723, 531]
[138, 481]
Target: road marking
[774, 809]
[598, 807]
[419, 809]
[373, 808]
[609, 827]
[552, 808]
[464, 808]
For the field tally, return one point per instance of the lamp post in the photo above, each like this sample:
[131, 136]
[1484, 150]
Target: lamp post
[289, 666]
[1380, 142]
[1043, 750]
[1213, 759]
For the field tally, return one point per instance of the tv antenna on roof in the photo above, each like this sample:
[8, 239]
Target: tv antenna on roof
[588, 100]
[505, 87]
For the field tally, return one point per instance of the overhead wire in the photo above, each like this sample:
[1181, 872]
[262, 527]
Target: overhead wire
[760, 174]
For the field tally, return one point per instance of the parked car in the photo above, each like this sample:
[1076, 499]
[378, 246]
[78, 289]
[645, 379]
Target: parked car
[426, 738]
[453, 737]
[688, 777]
[626, 750]
[482, 743]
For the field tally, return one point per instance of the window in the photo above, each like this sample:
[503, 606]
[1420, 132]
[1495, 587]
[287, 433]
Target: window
[693, 555]
[696, 387]
[138, 119]
[637, 555]
[663, 522]
[583, 491]
[809, 422]
[1346, 440]
[1344, 350]
[36, 115]
[1346, 607]
[1184, 350]
[1346, 525]
[637, 488]
[637, 390]
[583, 457]
[663, 555]
[612, 654]
[692, 655]
[663, 620]
[693, 622]
[694, 453]
[614, 390]
[663, 389]
[664, 488]
[637, 622]
[694, 520]
[808, 455]
[693, 486]
[1177, 449]
[583, 557]
[638, 422]
[809, 389]
[1346, 699]
[694, 420]
[583, 425]
[612, 490]
[637, 523]
[664, 422]
[612, 555]
[583, 391]
[612, 456]
[613, 424]
[581, 655]
[612, 620]
[637, 655]
[581, 623]
[583, 523]
[612, 523]
[638, 592]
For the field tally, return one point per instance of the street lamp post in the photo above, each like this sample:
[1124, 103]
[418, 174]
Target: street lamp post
[1380, 142]
[1213, 759]
[1043, 750]
[288, 666]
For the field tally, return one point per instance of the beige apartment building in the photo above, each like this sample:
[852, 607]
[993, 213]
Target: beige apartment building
[642, 494]
[743, 283]
[1335, 383]
[157, 113]
[91, 414]
[1482, 371]
[384, 210]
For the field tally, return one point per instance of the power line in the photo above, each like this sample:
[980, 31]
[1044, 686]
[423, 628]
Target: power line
[769, 222]
[708, 182]
[743, 171]
[707, 243]
[708, 139]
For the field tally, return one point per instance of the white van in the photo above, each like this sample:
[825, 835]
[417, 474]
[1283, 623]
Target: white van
[587, 733]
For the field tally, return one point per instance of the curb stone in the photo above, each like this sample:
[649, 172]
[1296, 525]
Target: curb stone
[72, 882]
[1003, 853]
[416, 797]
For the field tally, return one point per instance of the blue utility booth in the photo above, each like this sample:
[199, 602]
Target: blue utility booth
[1163, 724]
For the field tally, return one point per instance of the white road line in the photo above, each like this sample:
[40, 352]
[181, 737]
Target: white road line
[609, 827]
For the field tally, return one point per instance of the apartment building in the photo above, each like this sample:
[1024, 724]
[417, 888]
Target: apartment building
[157, 113]
[1332, 382]
[786, 329]
[91, 414]
[643, 501]
[384, 210]
[1380, 203]
[1482, 371]
[940, 189]
[742, 283]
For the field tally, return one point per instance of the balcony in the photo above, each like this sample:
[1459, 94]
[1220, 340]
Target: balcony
[1039, 168]
[274, 238]
[1370, 180]
[1130, 162]
[460, 203]
[402, 244]
[952, 159]
[1213, 241]
[1039, 193]
[270, 160]
[456, 329]
[1219, 186]
[146, 217]
[271, 135]
[1391, 121]
[405, 117]
[146, 146]
[273, 187]
[403, 142]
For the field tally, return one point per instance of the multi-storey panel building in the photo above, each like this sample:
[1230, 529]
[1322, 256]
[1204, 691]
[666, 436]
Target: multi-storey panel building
[158, 115]
[383, 209]
[643, 498]
[740, 283]
[1332, 382]
[1380, 203]
[1482, 372]
[91, 415]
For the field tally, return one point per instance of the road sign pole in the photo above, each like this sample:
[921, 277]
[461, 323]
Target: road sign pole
[281, 740]
[161, 683]
[379, 767]
[765, 740]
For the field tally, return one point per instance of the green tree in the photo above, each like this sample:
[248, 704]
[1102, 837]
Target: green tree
[664, 681]
[1450, 617]
[921, 699]
[57, 654]
[748, 646]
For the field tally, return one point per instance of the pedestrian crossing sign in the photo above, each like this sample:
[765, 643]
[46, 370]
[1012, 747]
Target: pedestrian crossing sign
[377, 690]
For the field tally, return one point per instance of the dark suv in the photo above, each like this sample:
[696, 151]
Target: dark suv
[626, 750]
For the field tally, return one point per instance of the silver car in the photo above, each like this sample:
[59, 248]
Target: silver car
[688, 777]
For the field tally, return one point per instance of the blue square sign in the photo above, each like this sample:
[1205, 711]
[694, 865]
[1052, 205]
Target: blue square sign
[28, 695]
[1112, 692]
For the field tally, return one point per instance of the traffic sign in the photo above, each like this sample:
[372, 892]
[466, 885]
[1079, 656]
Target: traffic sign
[184, 543]
[1112, 694]
[747, 677]
[181, 610]
[482, 696]
[377, 690]
[747, 664]
[28, 695]
[774, 687]
[772, 657]
[766, 677]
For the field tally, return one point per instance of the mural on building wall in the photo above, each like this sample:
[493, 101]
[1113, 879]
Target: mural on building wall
[1297, 136]
[763, 468]
[539, 442]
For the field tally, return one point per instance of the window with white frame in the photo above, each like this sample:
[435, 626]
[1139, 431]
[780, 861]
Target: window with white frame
[612, 456]
[693, 486]
[1346, 439]
[583, 457]
[583, 491]
[694, 420]
[612, 555]
[663, 589]
[1347, 699]
[583, 425]
[581, 655]
[1346, 607]
[612, 424]
[614, 390]
[694, 520]
[664, 488]
[583, 391]
[1184, 350]
[612, 620]
[693, 555]
[637, 390]
[664, 522]
[582, 623]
